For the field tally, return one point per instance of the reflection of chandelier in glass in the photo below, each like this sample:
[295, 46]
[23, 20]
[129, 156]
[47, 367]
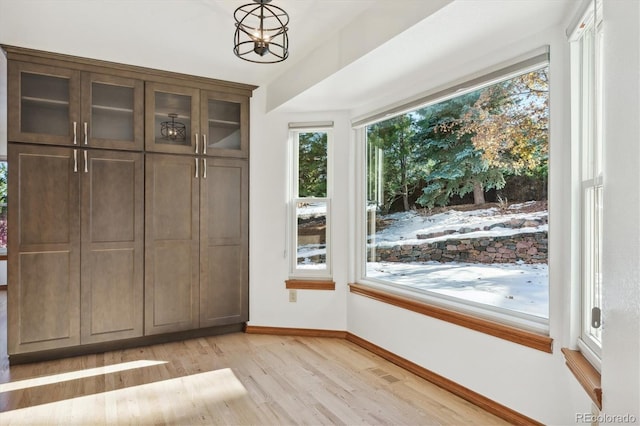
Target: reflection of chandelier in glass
[173, 129]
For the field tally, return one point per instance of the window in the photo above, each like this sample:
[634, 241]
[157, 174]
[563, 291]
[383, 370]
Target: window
[3, 207]
[587, 125]
[310, 202]
[455, 203]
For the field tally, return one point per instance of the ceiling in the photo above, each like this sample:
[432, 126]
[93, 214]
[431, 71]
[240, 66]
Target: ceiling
[373, 41]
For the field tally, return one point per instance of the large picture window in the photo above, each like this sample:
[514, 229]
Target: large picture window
[456, 197]
[310, 203]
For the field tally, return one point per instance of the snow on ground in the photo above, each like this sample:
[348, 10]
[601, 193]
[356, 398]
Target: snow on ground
[514, 286]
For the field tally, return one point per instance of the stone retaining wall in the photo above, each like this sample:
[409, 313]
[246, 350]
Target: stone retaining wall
[525, 247]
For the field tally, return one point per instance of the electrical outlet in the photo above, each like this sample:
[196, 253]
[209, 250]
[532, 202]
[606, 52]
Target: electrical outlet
[293, 295]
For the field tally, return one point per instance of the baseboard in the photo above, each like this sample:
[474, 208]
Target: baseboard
[475, 398]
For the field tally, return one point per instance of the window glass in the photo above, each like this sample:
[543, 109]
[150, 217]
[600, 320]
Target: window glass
[3, 207]
[457, 197]
[310, 204]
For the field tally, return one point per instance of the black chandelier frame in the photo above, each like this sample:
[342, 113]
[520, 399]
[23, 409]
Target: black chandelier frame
[261, 33]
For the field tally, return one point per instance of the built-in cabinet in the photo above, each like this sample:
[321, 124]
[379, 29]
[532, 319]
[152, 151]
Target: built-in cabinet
[76, 246]
[60, 106]
[196, 242]
[128, 203]
[203, 121]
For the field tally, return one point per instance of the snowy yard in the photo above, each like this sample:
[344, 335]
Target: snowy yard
[515, 286]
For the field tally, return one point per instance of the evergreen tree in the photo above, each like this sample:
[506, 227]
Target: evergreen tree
[454, 165]
[312, 164]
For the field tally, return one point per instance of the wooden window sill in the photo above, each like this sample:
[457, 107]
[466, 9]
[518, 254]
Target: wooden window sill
[310, 284]
[586, 374]
[513, 334]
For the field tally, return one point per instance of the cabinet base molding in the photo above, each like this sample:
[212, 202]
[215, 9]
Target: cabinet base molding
[48, 355]
[475, 398]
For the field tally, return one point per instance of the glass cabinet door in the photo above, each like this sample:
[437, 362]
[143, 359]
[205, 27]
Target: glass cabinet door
[172, 122]
[112, 112]
[225, 124]
[43, 104]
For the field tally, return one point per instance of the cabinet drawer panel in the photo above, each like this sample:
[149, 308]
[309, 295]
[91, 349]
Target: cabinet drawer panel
[46, 209]
[112, 299]
[224, 202]
[48, 299]
[173, 285]
[113, 197]
[223, 295]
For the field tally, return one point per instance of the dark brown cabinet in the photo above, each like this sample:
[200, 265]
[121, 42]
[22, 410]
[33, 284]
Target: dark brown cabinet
[184, 120]
[196, 242]
[60, 106]
[128, 204]
[76, 247]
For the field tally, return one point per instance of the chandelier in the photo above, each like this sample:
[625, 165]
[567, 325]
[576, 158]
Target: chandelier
[173, 129]
[261, 33]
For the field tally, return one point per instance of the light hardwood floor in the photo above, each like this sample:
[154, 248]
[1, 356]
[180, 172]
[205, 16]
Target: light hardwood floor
[233, 379]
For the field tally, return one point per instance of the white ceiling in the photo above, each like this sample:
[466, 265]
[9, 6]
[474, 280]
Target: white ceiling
[196, 37]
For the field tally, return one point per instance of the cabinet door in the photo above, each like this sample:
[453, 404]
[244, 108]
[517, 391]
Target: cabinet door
[171, 243]
[224, 273]
[44, 104]
[112, 112]
[172, 121]
[44, 249]
[225, 124]
[112, 185]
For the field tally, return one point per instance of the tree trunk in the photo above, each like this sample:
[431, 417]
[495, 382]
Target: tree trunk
[478, 193]
[405, 198]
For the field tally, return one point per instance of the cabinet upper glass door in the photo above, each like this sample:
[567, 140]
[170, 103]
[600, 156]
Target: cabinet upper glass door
[112, 112]
[172, 122]
[225, 124]
[43, 104]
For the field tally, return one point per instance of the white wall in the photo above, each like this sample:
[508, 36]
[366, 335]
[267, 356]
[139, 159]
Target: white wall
[621, 268]
[533, 383]
[269, 301]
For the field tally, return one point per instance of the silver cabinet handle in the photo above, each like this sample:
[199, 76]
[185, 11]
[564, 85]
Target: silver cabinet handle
[204, 143]
[75, 133]
[85, 132]
[86, 164]
[196, 167]
[196, 145]
[75, 161]
[204, 168]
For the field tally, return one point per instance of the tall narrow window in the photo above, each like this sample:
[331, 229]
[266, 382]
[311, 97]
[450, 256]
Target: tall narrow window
[310, 203]
[3, 207]
[587, 103]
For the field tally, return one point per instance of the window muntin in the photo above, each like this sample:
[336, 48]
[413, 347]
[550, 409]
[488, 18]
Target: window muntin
[587, 100]
[396, 162]
[310, 204]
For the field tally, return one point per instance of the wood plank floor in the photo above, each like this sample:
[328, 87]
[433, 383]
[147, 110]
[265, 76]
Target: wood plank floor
[234, 379]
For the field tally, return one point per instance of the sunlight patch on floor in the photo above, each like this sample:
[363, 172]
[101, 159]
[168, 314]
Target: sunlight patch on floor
[74, 375]
[198, 395]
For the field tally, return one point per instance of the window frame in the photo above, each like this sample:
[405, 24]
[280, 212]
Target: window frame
[296, 273]
[527, 62]
[587, 139]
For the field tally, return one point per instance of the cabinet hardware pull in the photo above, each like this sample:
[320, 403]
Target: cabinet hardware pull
[196, 167]
[204, 143]
[196, 144]
[75, 161]
[204, 168]
[86, 165]
[85, 132]
[75, 133]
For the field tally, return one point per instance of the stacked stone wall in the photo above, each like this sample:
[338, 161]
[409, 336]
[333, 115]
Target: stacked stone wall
[529, 247]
